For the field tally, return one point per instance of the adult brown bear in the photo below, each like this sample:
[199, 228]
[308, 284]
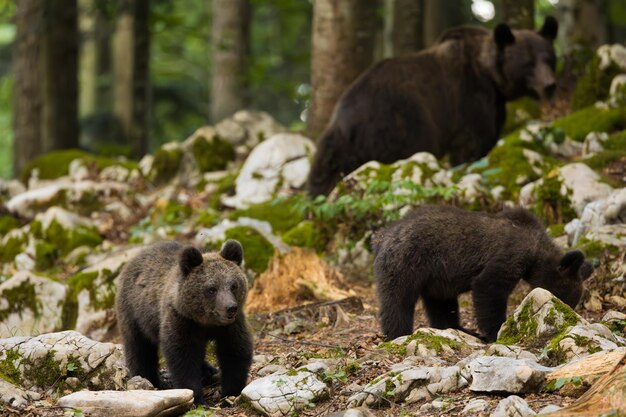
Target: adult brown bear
[448, 99]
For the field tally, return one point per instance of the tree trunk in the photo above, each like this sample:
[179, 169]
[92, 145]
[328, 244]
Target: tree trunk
[342, 48]
[27, 84]
[519, 14]
[94, 56]
[441, 15]
[230, 48]
[582, 23]
[406, 35]
[59, 63]
[131, 72]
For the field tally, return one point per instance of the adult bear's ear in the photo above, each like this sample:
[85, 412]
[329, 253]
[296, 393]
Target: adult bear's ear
[549, 29]
[503, 35]
[571, 262]
[189, 259]
[232, 251]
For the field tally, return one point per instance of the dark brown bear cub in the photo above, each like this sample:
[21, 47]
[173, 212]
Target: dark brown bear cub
[177, 299]
[439, 252]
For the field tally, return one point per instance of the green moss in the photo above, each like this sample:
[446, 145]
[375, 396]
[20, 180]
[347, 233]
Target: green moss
[550, 203]
[594, 84]
[8, 223]
[614, 150]
[212, 155]
[305, 234]
[616, 326]
[55, 164]
[20, 298]
[281, 213]
[165, 165]
[569, 316]
[9, 366]
[592, 119]
[509, 167]
[12, 247]
[520, 328]
[58, 241]
[520, 112]
[556, 230]
[101, 296]
[257, 250]
[208, 218]
[430, 341]
[45, 255]
[225, 185]
[43, 372]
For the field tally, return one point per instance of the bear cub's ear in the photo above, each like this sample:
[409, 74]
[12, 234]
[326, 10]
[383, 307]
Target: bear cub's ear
[571, 262]
[232, 251]
[189, 259]
[503, 36]
[550, 28]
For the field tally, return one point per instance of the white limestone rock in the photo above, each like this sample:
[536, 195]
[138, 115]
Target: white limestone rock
[134, 403]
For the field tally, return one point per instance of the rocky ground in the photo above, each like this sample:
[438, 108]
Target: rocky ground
[75, 219]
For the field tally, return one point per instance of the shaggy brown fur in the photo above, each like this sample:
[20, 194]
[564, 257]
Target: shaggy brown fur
[177, 299]
[439, 252]
[448, 99]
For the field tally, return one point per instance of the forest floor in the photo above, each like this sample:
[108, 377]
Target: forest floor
[354, 339]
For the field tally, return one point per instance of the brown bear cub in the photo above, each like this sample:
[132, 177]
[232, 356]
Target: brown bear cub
[439, 252]
[447, 99]
[175, 298]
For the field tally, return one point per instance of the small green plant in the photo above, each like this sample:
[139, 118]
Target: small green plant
[73, 413]
[378, 204]
[557, 384]
[338, 375]
[199, 412]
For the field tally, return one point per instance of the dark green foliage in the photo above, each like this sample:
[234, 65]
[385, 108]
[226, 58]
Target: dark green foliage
[592, 119]
[212, 155]
[56, 163]
[165, 165]
[8, 223]
[360, 212]
[257, 250]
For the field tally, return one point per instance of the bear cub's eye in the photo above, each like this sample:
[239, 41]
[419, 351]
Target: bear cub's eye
[234, 286]
[212, 290]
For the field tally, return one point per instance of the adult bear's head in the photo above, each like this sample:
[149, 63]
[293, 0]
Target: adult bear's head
[524, 60]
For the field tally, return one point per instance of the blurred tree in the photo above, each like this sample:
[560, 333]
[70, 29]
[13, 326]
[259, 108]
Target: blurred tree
[407, 27]
[27, 101]
[230, 46]
[46, 81]
[95, 57]
[441, 15]
[131, 72]
[342, 46]
[583, 24]
[519, 14]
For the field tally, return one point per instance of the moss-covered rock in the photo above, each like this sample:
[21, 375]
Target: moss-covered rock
[44, 362]
[594, 84]
[306, 234]
[431, 342]
[8, 223]
[166, 163]
[31, 304]
[581, 340]
[56, 163]
[520, 112]
[281, 213]
[592, 119]
[211, 153]
[539, 318]
[12, 244]
[257, 249]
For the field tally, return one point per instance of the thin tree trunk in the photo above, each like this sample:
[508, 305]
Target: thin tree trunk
[131, 72]
[59, 63]
[230, 48]
[94, 56]
[582, 23]
[438, 16]
[519, 14]
[27, 83]
[406, 35]
[342, 48]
